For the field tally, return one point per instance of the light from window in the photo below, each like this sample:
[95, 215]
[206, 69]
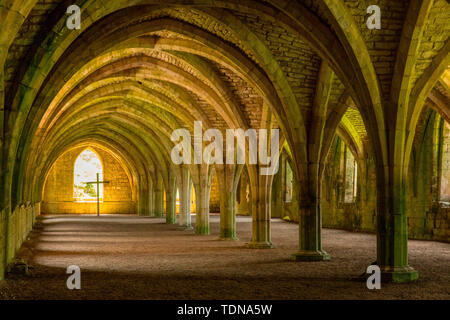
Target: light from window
[86, 168]
[351, 174]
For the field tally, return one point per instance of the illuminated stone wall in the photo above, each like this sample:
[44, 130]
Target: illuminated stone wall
[58, 191]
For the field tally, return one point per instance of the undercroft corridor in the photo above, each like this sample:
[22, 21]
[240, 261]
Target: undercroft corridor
[225, 149]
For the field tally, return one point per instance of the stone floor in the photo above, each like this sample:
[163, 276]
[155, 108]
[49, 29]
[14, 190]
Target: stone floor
[130, 257]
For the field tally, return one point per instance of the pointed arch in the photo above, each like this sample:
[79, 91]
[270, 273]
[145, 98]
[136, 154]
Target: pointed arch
[87, 165]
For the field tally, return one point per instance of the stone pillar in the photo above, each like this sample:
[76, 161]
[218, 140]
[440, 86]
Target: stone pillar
[310, 220]
[261, 196]
[185, 198]
[144, 198]
[159, 197]
[171, 195]
[392, 233]
[202, 178]
[228, 176]
[149, 199]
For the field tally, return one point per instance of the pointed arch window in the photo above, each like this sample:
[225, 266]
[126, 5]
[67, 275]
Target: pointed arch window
[86, 167]
[351, 176]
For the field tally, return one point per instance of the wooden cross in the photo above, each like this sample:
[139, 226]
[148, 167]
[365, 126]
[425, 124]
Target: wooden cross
[98, 191]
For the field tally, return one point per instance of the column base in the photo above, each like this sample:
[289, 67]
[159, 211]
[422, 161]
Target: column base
[141, 214]
[398, 274]
[233, 238]
[170, 221]
[260, 245]
[228, 234]
[201, 230]
[186, 228]
[310, 256]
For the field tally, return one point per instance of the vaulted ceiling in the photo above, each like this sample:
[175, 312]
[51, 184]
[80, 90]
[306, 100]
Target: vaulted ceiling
[138, 70]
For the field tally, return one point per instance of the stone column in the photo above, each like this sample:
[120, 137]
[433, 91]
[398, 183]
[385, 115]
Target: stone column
[150, 197]
[159, 197]
[307, 174]
[171, 208]
[261, 196]
[144, 198]
[185, 198]
[202, 178]
[228, 176]
[392, 233]
[310, 219]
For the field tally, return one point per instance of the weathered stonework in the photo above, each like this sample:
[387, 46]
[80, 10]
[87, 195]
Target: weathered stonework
[134, 73]
[58, 193]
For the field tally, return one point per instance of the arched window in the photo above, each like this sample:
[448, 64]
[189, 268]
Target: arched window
[193, 200]
[445, 162]
[351, 175]
[86, 168]
[288, 183]
[177, 202]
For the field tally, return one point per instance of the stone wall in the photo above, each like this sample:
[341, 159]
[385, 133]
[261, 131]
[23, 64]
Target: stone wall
[16, 228]
[428, 211]
[283, 206]
[58, 190]
[428, 219]
[338, 209]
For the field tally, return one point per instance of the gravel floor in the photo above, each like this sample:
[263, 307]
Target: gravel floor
[130, 257]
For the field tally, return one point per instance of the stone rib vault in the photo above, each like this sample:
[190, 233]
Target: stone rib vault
[363, 115]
